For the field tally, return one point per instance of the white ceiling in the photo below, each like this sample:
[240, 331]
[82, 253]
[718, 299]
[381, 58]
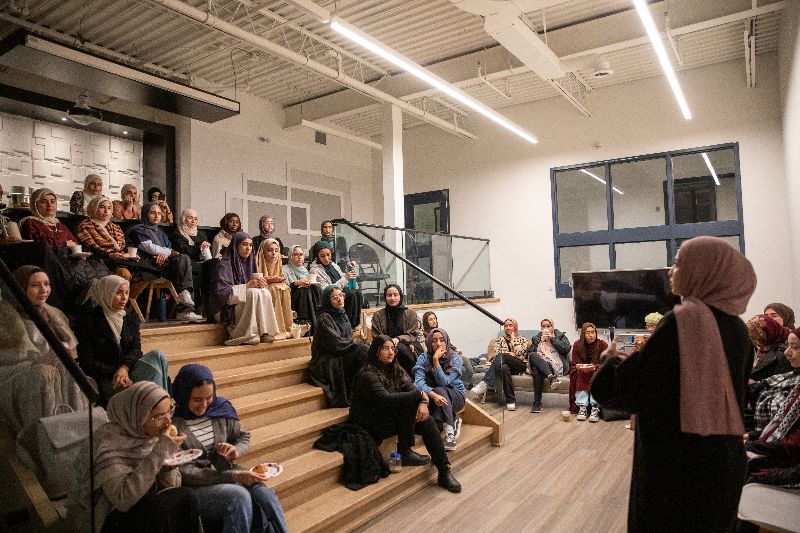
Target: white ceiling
[431, 32]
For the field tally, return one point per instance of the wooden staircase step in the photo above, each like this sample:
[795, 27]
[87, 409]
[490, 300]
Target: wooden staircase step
[271, 406]
[343, 509]
[242, 381]
[177, 337]
[283, 440]
[225, 357]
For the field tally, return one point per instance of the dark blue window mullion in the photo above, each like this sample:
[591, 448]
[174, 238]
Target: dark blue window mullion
[670, 210]
[612, 253]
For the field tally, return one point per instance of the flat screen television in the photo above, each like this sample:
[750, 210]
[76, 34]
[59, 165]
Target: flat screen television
[621, 298]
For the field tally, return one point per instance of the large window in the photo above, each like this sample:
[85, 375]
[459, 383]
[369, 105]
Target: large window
[634, 212]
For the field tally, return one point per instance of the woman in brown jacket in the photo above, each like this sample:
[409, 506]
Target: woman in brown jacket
[400, 324]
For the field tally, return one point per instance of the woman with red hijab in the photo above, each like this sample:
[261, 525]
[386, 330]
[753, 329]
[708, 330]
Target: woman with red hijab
[769, 339]
[587, 353]
[687, 387]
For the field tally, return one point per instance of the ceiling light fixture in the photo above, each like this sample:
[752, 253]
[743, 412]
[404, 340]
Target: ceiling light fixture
[81, 113]
[428, 77]
[601, 180]
[661, 52]
[710, 168]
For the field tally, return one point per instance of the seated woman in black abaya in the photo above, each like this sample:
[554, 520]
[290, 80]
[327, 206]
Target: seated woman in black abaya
[335, 356]
[401, 325]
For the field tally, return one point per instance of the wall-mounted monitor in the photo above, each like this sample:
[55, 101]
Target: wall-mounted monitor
[621, 298]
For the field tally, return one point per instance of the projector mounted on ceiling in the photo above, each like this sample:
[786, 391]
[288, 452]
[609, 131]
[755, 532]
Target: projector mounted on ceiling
[83, 114]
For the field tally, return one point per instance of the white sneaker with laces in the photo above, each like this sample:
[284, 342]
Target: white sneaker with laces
[511, 406]
[457, 427]
[595, 416]
[189, 316]
[478, 390]
[184, 298]
[581, 413]
[450, 442]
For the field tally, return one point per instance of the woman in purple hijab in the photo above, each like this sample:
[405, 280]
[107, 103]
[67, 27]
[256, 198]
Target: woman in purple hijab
[241, 295]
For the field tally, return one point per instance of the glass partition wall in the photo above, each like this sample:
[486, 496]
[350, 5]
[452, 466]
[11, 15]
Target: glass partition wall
[44, 397]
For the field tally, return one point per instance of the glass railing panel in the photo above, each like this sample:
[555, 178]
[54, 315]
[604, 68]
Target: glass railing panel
[471, 267]
[40, 401]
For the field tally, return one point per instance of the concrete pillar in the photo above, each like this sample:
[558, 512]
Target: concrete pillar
[393, 204]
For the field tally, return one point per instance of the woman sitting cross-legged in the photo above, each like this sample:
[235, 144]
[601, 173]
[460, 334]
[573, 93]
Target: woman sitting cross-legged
[157, 253]
[109, 342]
[33, 382]
[189, 239]
[587, 354]
[385, 402]
[509, 359]
[548, 359]
[335, 356]
[401, 324]
[129, 472]
[242, 299]
[269, 264]
[305, 295]
[227, 495]
[438, 374]
[329, 273]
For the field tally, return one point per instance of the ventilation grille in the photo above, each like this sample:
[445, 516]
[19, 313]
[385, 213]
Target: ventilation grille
[320, 137]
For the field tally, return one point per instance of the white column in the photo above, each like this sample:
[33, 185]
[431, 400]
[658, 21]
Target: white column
[393, 203]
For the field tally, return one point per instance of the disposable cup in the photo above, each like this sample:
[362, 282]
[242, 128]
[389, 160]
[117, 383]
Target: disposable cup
[566, 416]
[133, 251]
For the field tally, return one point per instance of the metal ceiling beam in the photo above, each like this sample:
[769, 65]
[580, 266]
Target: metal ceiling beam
[284, 53]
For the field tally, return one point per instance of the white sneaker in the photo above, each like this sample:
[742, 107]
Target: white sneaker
[581, 413]
[478, 390]
[189, 316]
[457, 428]
[450, 442]
[511, 406]
[595, 416]
[184, 298]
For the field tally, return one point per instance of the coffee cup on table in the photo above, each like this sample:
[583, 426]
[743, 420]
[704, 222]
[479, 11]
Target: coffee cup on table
[133, 251]
[76, 249]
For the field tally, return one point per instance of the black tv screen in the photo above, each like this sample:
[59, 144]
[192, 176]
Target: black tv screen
[621, 298]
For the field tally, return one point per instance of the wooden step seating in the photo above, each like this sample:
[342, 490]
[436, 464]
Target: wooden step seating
[267, 384]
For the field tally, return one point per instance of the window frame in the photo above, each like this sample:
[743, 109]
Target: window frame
[669, 231]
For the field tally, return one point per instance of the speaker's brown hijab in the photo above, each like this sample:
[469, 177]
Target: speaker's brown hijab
[709, 272]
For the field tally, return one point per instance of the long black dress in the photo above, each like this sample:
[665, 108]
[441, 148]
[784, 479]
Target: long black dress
[680, 481]
[335, 357]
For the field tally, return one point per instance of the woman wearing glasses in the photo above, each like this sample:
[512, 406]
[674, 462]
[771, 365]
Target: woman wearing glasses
[229, 496]
[335, 356]
[129, 472]
[109, 343]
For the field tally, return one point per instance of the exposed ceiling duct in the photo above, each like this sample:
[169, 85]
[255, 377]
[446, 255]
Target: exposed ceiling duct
[505, 21]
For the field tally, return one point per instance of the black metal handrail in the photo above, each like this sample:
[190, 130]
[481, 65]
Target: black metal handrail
[409, 230]
[419, 269]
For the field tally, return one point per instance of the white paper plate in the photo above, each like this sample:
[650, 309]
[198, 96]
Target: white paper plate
[80, 255]
[273, 469]
[183, 457]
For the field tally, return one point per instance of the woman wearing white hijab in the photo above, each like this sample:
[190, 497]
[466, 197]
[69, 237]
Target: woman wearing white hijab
[129, 475]
[109, 344]
[92, 187]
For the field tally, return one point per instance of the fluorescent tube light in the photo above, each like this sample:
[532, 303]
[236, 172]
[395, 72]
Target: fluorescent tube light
[661, 52]
[428, 77]
[710, 168]
[601, 180]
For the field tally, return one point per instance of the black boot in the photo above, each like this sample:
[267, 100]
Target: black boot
[447, 481]
[413, 458]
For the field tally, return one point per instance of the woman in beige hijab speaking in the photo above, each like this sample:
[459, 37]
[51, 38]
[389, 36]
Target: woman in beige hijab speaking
[687, 387]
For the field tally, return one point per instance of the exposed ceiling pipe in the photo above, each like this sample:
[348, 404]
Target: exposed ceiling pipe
[284, 53]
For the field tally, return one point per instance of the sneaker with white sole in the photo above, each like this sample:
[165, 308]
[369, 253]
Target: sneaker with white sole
[184, 298]
[478, 391]
[581, 413]
[511, 406]
[595, 416]
[450, 442]
[457, 428]
[554, 381]
[537, 407]
[189, 316]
